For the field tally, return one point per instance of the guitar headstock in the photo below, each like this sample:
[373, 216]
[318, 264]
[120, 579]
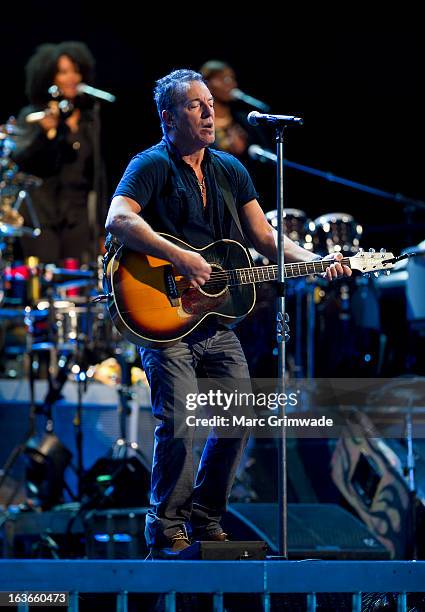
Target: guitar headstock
[372, 262]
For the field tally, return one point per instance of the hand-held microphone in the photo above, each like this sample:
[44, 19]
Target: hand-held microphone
[256, 118]
[83, 88]
[237, 94]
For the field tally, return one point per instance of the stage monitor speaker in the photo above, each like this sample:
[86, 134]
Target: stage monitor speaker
[324, 531]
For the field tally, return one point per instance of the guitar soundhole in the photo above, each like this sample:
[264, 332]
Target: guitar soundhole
[217, 284]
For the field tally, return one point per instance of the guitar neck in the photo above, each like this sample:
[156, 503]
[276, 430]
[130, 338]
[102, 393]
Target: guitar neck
[259, 274]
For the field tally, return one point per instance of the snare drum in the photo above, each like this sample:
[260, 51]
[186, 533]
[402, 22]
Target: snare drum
[336, 233]
[295, 224]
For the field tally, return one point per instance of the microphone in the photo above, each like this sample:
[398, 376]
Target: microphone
[83, 88]
[237, 94]
[36, 116]
[255, 118]
[257, 152]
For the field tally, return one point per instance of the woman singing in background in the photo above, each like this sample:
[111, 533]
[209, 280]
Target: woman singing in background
[58, 146]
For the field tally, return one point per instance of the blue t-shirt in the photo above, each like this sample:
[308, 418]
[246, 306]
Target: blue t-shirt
[168, 192]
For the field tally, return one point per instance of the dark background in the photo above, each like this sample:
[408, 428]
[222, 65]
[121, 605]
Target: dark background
[358, 88]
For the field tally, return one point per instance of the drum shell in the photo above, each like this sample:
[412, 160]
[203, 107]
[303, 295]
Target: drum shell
[336, 233]
[295, 224]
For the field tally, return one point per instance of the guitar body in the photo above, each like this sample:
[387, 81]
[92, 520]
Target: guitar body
[153, 306]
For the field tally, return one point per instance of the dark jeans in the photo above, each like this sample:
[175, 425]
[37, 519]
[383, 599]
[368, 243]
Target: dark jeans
[178, 498]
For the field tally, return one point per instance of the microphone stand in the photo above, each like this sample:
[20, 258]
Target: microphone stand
[282, 335]
[97, 180]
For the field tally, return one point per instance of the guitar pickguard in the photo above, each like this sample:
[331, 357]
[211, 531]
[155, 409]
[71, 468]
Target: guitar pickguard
[196, 303]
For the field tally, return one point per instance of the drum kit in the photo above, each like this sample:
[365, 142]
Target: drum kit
[51, 326]
[43, 308]
[331, 233]
[323, 312]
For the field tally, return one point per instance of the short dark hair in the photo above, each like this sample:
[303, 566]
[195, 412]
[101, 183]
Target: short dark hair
[42, 66]
[168, 90]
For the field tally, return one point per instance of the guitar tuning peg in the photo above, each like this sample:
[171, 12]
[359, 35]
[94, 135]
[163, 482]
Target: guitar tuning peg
[361, 251]
[387, 272]
[367, 275]
[383, 251]
[371, 250]
[376, 274]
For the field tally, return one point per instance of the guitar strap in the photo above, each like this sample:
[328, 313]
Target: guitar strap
[229, 200]
[112, 243]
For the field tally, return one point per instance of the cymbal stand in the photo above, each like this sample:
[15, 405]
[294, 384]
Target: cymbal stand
[81, 363]
[122, 446]
[55, 387]
[24, 196]
[20, 448]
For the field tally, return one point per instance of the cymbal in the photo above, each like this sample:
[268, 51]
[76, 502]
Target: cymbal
[27, 181]
[52, 270]
[64, 279]
[401, 392]
[14, 181]
[10, 128]
[21, 313]
[74, 284]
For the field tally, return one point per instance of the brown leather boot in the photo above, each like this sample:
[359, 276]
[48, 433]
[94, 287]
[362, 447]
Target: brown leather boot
[215, 536]
[178, 542]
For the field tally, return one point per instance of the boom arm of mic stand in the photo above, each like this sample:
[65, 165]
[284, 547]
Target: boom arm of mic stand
[267, 156]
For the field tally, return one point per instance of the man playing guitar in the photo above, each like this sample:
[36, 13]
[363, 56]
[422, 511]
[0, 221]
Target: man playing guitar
[177, 187]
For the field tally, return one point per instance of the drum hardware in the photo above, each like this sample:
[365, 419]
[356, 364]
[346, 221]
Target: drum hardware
[48, 457]
[14, 189]
[70, 332]
[102, 297]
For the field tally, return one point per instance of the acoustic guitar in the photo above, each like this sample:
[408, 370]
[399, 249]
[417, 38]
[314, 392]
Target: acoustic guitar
[152, 305]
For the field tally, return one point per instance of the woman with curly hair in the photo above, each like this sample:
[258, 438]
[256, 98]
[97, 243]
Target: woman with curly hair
[57, 145]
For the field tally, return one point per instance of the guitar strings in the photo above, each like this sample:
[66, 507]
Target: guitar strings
[224, 275]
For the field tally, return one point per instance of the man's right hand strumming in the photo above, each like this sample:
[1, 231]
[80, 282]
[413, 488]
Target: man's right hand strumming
[193, 266]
